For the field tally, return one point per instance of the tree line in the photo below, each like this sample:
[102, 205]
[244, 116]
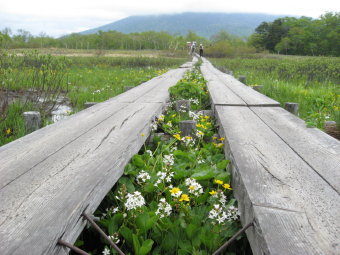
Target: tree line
[288, 35]
[300, 36]
[101, 40]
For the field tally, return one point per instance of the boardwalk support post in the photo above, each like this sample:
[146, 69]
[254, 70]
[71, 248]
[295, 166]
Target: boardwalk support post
[258, 88]
[183, 106]
[32, 121]
[89, 104]
[292, 107]
[126, 88]
[188, 127]
[242, 78]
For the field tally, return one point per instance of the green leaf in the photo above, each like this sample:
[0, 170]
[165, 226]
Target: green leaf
[136, 244]
[224, 176]
[145, 221]
[127, 234]
[169, 242]
[130, 170]
[191, 230]
[146, 247]
[149, 188]
[115, 223]
[217, 158]
[185, 156]
[128, 183]
[138, 161]
[203, 175]
[222, 164]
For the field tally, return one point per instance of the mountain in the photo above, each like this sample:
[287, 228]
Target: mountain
[204, 24]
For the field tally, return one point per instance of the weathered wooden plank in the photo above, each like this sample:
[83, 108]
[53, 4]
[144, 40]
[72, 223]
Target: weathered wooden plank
[155, 90]
[220, 94]
[248, 95]
[295, 225]
[319, 150]
[40, 205]
[48, 178]
[268, 173]
[159, 84]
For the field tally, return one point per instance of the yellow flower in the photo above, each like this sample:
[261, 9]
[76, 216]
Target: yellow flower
[218, 145]
[219, 182]
[227, 186]
[8, 131]
[214, 138]
[174, 190]
[188, 138]
[206, 117]
[142, 134]
[184, 197]
[199, 125]
[222, 139]
[177, 136]
[192, 187]
[173, 115]
[213, 192]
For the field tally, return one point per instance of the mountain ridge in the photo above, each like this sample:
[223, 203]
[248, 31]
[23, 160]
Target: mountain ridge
[204, 24]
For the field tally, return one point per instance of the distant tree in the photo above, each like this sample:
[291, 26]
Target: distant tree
[302, 36]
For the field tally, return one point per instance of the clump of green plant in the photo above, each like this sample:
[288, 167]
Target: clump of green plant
[185, 89]
[175, 196]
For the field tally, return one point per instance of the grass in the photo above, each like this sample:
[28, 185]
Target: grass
[313, 82]
[80, 78]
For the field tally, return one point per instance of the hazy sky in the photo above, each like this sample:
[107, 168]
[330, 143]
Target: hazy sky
[59, 17]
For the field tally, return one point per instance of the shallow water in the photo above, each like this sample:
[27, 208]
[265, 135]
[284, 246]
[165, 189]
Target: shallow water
[61, 112]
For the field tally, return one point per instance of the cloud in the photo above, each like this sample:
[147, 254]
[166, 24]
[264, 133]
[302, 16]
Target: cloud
[60, 17]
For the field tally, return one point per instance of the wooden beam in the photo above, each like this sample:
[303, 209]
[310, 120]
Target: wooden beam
[50, 177]
[269, 175]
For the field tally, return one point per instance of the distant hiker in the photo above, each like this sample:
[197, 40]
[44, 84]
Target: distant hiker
[189, 44]
[201, 50]
[193, 48]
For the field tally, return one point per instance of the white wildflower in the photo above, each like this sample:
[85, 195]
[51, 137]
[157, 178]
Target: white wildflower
[142, 177]
[233, 213]
[164, 209]
[154, 126]
[149, 152]
[217, 215]
[168, 160]
[188, 140]
[194, 101]
[163, 176]
[194, 187]
[115, 238]
[134, 200]
[174, 148]
[193, 115]
[106, 251]
[199, 134]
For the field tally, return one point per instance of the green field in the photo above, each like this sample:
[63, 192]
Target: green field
[32, 81]
[313, 82]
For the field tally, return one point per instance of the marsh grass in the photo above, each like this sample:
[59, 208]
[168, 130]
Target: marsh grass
[41, 79]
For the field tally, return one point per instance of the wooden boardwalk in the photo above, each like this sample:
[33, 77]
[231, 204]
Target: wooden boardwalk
[50, 177]
[286, 177]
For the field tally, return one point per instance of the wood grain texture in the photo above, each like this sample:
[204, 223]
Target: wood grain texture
[219, 93]
[249, 96]
[48, 178]
[268, 174]
[319, 150]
